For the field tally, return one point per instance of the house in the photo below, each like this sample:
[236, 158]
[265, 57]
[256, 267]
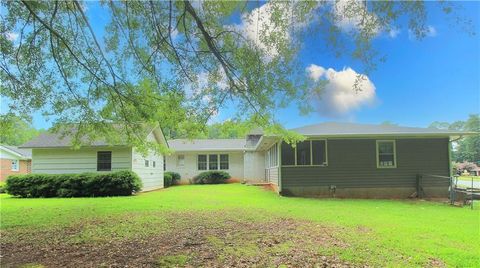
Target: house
[336, 159]
[467, 168]
[52, 154]
[13, 161]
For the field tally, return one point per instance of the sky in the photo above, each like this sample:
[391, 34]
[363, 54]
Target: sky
[422, 81]
[435, 79]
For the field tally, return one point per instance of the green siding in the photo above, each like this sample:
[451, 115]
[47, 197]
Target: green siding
[352, 164]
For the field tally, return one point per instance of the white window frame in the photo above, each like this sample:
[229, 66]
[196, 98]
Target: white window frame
[220, 162]
[271, 157]
[181, 160]
[311, 155]
[394, 153]
[147, 163]
[206, 162]
[15, 165]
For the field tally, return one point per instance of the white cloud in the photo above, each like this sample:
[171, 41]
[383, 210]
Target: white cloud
[258, 25]
[393, 33]
[352, 15]
[315, 72]
[340, 96]
[431, 31]
[11, 36]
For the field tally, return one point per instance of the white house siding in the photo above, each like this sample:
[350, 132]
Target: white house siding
[152, 177]
[272, 171]
[190, 168]
[272, 175]
[254, 166]
[58, 160]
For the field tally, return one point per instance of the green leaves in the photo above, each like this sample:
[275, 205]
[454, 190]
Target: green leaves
[177, 63]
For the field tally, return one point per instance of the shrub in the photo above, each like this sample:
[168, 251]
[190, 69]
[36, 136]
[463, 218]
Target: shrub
[175, 177]
[167, 180]
[211, 177]
[2, 187]
[74, 185]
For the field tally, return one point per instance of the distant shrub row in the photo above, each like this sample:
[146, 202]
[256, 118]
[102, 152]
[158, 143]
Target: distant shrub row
[211, 177]
[170, 178]
[74, 185]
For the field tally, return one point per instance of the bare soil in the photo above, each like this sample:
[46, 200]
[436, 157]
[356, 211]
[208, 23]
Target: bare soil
[207, 239]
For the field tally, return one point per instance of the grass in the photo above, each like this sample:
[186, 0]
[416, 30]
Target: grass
[469, 178]
[376, 232]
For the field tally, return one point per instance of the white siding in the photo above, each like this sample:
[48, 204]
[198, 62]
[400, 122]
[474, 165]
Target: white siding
[272, 171]
[152, 177]
[272, 175]
[254, 168]
[7, 155]
[59, 160]
[190, 169]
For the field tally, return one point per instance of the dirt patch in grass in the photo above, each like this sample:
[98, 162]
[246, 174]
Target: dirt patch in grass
[208, 239]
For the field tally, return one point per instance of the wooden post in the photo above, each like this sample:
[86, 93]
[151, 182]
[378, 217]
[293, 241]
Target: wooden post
[419, 186]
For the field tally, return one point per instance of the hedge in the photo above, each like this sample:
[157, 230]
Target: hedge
[211, 177]
[175, 177]
[167, 180]
[74, 185]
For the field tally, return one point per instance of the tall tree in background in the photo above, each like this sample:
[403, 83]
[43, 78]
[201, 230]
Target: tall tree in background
[468, 148]
[16, 131]
[177, 62]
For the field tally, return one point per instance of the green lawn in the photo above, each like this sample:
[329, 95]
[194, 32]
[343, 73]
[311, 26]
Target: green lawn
[469, 178]
[214, 225]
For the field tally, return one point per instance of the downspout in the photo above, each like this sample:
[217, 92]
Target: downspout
[279, 147]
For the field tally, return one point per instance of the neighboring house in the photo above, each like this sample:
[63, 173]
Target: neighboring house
[52, 154]
[14, 161]
[467, 168]
[345, 159]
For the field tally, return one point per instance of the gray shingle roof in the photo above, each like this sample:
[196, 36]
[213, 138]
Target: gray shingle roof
[64, 139]
[180, 145]
[54, 140]
[347, 129]
[26, 153]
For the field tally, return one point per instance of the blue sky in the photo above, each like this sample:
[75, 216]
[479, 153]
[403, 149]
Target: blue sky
[435, 79]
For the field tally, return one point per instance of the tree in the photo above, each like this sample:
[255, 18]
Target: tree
[467, 148]
[16, 131]
[177, 62]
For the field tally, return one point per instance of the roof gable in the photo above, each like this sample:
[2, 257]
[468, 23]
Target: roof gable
[14, 150]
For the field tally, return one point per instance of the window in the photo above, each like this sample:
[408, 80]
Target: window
[271, 157]
[224, 161]
[180, 160]
[15, 165]
[288, 155]
[303, 153]
[386, 154]
[319, 152]
[164, 163]
[306, 153]
[104, 161]
[146, 163]
[212, 161]
[153, 163]
[202, 162]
